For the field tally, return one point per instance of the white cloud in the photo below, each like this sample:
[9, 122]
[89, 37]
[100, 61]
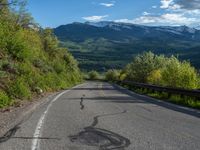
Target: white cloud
[146, 13]
[174, 12]
[166, 3]
[165, 19]
[107, 4]
[95, 18]
[178, 19]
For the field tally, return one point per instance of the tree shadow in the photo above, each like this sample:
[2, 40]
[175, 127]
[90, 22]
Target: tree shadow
[92, 89]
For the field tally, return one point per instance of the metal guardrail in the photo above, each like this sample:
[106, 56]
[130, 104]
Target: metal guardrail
[179, 91]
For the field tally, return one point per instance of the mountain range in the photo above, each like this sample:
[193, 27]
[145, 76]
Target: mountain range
[106, 45]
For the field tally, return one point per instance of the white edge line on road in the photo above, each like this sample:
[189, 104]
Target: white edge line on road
[35, 142]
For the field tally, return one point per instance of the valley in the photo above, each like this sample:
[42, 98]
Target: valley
[110, 45]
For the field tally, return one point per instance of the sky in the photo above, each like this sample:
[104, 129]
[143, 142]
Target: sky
[52, 13]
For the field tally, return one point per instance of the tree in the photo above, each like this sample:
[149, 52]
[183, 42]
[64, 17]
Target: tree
[142, 65]
[161, 70]
[5, 4]
[50, 42]
[4, 9]
[23, 18]
[179, 74]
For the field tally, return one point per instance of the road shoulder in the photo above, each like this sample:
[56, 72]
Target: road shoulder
[16, 115]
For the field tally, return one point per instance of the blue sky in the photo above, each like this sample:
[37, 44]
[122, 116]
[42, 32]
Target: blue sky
[52, 13]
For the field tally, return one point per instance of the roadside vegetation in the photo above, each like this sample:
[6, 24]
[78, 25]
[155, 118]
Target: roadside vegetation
[93, 75]
[31, 60]
[163, 71]
[158, 70]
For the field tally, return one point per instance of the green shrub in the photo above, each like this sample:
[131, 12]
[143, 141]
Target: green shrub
[93, 75]
[59, 67]
[112, 75]
[19, 89]
[160, 70]
[142, 65]
[3, 74]
[179, 74]
[24, 68]
[155, 77]
[4, 99]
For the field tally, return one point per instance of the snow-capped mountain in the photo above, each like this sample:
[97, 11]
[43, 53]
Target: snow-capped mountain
[120, 26]
[126, 31]
[120, 41]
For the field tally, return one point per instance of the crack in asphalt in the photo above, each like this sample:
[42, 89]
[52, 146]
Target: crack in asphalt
[101, 138]
[81, 104]
[96, 118]
[9, 134]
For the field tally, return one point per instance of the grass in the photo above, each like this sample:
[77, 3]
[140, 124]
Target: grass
[4, 99]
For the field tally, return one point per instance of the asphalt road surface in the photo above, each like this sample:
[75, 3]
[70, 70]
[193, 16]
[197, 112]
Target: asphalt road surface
[101, 116]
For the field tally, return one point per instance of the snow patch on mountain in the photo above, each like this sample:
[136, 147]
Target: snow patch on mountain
[120, 26]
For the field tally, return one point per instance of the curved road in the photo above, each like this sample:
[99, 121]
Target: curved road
[101, 116]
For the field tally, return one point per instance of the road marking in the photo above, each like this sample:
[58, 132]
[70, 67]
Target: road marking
[35, 142]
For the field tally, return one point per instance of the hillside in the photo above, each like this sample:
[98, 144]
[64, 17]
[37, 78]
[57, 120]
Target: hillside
[31, 60]
[105, 45]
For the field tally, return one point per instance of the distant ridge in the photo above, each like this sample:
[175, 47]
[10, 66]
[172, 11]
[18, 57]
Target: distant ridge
[102, 38]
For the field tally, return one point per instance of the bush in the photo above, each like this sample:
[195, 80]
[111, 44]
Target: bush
[112, 75]
[160, 70]
[93, 75]
[155, 77]
[19, 89]
[4, 99]
[59, 67]
[179, 74]
[143, 65]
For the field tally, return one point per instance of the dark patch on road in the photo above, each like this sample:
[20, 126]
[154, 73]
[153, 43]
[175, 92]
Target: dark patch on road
[9, 134]
[81, 102]
[104, 139]
[96, 118]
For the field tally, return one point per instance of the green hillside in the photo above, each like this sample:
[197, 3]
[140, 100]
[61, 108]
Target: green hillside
[31, 60]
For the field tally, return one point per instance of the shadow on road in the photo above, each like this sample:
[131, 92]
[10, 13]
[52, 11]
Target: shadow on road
[148, 100]
[93, 89]
[130, 97]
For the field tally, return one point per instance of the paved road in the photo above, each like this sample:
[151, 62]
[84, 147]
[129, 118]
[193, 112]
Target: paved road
[100, 116]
